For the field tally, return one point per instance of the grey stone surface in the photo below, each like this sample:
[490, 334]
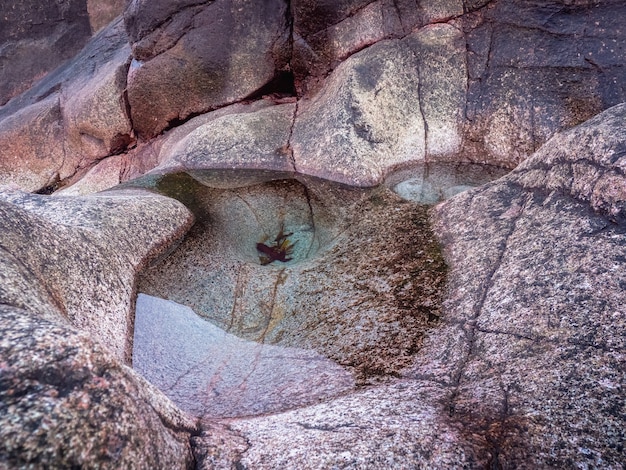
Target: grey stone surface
[37, 36]
[66, 288]
[393, 103]
[361, 284]
[536, 69]
[84, 253]
[210, 373]
[255, 138]
[365, 119]
[392, 426]
[69, 120]
[66, 402]
[526, 368]
[537, 301]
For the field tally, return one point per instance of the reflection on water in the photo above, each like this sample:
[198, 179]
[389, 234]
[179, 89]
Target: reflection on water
[430, 183]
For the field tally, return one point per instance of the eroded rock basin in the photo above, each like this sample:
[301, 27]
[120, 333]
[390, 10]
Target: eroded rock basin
[290, 290]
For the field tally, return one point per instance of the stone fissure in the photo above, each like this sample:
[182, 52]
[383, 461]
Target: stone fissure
[280, 279]
[420, 103]
[315, 236]
[238, 293]
[171, 17]
[290, 150]
[487, 284]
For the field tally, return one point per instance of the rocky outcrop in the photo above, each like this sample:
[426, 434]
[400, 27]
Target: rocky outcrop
[526, 368]
[536, 69]
[326, 33]
[88, 253]
[74, 117]
[518, 363]
[535, 308]
[66, 294]
[65, 402]
[491, 81]
[393, 103]
[191, 58]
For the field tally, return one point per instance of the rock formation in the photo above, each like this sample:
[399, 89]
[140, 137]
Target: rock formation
[274, 172]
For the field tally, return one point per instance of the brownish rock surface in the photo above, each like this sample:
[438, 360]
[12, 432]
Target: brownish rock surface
[72, 118]
[35, 37]
[191, 58]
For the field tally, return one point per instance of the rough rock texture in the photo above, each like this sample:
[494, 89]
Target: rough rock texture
[66, 403]
[102, 12]
[191, 58]
[364, 119]
[393, 103]
[72, 118]
[526, 368]
[66, 290]
[491, 81]
[88, 251]
[326, 33]
[256, 139]
[391, 426]
[211, 373]
[535, 311]
[35, 37]
[361, 284]
[536, 68]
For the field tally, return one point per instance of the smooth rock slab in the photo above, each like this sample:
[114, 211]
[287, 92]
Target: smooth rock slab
[211, 373]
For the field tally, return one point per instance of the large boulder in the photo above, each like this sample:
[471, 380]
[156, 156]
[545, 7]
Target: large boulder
[533, 344]
[88, 251]
[327, 32]
[66, 318]
[192, 58]
[393, 103]
[65, 402]
[72, 118]
[536, 69]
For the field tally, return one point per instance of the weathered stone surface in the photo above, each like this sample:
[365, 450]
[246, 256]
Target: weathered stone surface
[94, 110]
[210, 373]
[37, 36]
[85, 253]
[65, 402]
[31, 145]
[325, 33]
[442, 87]
[535, 308]
[66, 288]
[106, 174]
[536, 69]
[366, 118]
[257, 137]
[361, 284]
[70, 119]
[193, 58]
[392, 426]
[103, 12]
[393, 103]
